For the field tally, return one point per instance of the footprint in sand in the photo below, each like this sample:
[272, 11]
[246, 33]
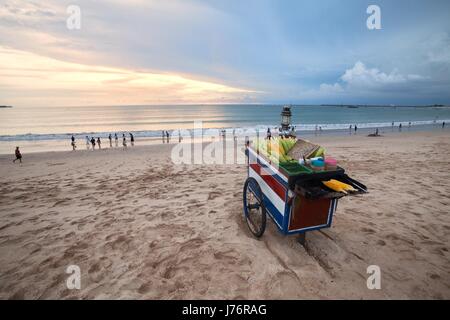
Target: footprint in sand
[213, 195]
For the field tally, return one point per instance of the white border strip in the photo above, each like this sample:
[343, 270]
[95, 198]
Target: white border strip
[268, 192]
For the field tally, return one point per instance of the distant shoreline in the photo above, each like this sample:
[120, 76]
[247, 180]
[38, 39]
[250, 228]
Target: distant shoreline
[383, 106]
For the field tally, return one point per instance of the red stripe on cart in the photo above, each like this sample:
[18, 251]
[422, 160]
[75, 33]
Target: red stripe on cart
[277, 187]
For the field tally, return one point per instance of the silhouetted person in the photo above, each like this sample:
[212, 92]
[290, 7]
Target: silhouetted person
[376, 132]
[350, 129]
[124, 141]
[356, 128]
[18, 155]
[99, 143]
[110, 140]
[131, 139]
[167, 136]
[93, 143]
[116, 139]
[269, 134]
[400, 127]
[443, 124]
[73, 143]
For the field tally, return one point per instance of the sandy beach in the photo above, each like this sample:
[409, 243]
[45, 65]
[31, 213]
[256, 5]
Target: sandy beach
[141, 227]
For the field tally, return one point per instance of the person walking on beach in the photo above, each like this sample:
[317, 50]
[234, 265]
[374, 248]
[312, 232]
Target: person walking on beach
[179, 136]
[116, 139]
[392, 125]
[356, 128]
[167, 136]
[73, 143]
[132, 139]
[164, 136]
[18, 155]
[400, 127]
[269, 134]
[443, 124]
[124, 141]
[110, 140]
[350, 129]
[99, 143]
[88, 143]
[93, 143]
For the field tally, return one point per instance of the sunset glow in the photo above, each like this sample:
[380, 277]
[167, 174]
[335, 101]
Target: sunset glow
[33, 78]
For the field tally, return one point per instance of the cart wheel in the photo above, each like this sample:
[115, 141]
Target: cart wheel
[254, 209]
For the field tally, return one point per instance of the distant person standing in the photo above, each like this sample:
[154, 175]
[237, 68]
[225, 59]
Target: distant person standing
[124, 141]
[167, 136]
[99, 143]
[179, 136]
[132, 139]
[116, 139]
[393, 125]
[163, 136]
[409, 124]
[269, 134]
[443, 124]
[400, 127]
[73, 143]
[356, 128]
[88, 143]
[110, 140]
[350, 129]
[93, 143]
[18, 155]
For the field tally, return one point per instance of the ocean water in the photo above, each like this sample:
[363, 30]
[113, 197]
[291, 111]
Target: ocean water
[45, 126]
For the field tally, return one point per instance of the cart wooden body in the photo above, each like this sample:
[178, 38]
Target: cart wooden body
[287, 199]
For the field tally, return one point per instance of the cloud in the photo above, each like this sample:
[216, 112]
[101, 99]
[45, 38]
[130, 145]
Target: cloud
[28, 78]
[327, 88]
[259, 45]
[439, 49]
[360, 78]
[16, 12]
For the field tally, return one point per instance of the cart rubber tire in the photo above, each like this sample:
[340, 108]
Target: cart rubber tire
[252, 184]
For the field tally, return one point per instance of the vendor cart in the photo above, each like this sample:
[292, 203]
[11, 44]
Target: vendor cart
[296, 200]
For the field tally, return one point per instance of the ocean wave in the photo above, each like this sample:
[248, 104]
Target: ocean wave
[260, 128]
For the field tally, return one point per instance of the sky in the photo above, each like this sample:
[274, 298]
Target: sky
[229, 51]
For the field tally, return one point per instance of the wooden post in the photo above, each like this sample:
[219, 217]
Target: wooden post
[302, 238]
